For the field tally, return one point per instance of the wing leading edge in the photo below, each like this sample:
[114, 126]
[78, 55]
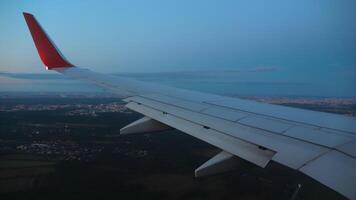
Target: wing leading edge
[321, 145]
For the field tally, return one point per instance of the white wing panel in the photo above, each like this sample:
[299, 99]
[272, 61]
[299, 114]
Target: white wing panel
[190, 105]
[336, 132]
[224, 113]
[284, 146]
[230, 144]
[348, 148]
[318, 136]
[333, 121]
[273, 125]
[335, 170]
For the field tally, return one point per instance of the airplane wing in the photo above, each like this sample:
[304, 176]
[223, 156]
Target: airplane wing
[321, 145]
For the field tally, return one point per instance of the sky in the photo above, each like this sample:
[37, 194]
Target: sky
[281, 41]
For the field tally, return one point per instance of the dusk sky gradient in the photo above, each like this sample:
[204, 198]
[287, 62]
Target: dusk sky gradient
[304, 41]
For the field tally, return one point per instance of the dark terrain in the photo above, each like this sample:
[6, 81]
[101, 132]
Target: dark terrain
[70, 148]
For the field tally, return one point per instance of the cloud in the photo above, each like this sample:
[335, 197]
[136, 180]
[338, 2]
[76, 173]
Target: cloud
[33, 76]
[207, 73]
[264, 69]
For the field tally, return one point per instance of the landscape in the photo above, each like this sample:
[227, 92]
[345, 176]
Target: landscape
[55, 146]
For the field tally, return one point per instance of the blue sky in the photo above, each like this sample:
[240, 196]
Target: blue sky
[307, 41]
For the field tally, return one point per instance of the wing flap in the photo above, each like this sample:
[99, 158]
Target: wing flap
[243, 149]
[283, 146]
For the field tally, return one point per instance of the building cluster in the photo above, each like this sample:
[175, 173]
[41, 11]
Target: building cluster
[131, 152]
[93, 110]
[73, 151]
[76, 109]
[68, 152]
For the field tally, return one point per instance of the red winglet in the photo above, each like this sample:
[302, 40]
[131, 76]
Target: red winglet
[49, 54]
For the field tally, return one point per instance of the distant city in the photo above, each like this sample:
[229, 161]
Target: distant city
[345, 105]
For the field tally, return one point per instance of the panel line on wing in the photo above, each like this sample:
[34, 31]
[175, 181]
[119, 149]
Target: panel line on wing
[283, 110]
[236, 146]
[282, 144]
[275, 127]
